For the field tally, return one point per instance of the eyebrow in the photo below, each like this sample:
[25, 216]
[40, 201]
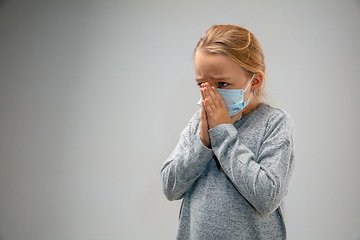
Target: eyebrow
[214, 78]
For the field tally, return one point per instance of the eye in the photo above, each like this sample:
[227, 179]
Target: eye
[222, 84]
[199, 84]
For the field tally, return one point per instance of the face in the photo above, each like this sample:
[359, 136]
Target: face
[220, 71]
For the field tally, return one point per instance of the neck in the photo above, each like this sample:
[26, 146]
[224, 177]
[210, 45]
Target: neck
[253, 104]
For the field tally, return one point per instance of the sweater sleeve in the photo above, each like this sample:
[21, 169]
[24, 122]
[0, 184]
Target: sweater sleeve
[262, 178]
[186, 163]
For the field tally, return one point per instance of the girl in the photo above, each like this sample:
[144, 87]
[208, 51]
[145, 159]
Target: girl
[234, 160]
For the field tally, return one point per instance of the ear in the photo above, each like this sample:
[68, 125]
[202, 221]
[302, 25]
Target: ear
[257, 81]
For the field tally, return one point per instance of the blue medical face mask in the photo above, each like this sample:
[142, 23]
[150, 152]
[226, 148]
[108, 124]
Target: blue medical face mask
[234, 99]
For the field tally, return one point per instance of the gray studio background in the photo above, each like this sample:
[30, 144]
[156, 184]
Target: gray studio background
[94, 95]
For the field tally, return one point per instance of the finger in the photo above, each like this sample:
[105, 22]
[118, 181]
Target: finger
[203, 118]
[208, 107]
[202, 93]
[211, 98]
[219, 98]
[215, 95]
[209, 102]
[205, 91]
[204, 127]
[203, 111]
[205, 94]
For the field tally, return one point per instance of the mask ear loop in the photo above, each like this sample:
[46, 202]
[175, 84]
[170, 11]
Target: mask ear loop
[249, 82]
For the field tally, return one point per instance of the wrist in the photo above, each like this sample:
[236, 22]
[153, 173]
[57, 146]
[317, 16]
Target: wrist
[205, 140]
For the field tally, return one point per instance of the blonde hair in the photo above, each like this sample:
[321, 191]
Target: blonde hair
[240, 45]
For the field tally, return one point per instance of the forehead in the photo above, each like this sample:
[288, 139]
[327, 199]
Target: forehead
[215, 64]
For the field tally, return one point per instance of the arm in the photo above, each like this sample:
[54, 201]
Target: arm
[262, 178]
[185, 164]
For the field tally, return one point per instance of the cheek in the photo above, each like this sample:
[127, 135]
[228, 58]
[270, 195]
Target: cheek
[247, 95]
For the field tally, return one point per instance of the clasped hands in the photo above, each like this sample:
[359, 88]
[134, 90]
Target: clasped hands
[213, 112]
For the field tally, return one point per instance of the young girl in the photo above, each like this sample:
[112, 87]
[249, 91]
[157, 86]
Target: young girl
[234, 160]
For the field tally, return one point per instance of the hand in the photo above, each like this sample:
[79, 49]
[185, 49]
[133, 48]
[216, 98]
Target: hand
[204, 134]
[216, 112]
[204, 127]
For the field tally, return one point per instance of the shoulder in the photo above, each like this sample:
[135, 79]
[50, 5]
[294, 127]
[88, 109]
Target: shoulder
[270, 120]
[279, 121]
[274, 115]
[280, 114]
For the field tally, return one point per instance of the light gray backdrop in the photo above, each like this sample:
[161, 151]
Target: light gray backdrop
[94, 95]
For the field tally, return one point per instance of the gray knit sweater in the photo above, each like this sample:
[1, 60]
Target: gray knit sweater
[234, 190]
